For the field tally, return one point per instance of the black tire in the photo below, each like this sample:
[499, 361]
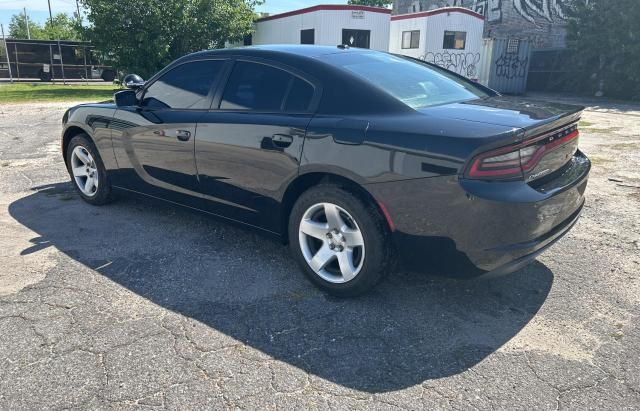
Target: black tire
[44, 76]
[103, 193]
[378, 257]
[108, 75]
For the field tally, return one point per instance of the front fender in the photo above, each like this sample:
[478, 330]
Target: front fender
[94, 121]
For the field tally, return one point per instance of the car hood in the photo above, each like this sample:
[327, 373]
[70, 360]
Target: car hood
[504, 111]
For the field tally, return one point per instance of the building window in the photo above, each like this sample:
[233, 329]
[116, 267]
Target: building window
[513, 46]
[411, 39]
[455, 40]
[308, 36]
[356, 38]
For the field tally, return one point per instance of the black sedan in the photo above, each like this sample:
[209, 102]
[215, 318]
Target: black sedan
[358, 159]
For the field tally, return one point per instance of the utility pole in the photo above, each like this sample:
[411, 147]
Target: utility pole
[26, 19]
[78, 9]
[50, 15]
[6, 49]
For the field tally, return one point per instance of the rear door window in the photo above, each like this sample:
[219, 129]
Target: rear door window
[254, 86]
[299, 97]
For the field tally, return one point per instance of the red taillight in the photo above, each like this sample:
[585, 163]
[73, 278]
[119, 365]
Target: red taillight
[496, 164]
[514, 161]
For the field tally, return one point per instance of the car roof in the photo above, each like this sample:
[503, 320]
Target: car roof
[347, 94]
[279, 50]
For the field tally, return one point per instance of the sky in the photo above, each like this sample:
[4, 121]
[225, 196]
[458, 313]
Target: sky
[38, 11]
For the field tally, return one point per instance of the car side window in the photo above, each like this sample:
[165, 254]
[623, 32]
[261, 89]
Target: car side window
[184, 87]
[254, 86]
[299, 97]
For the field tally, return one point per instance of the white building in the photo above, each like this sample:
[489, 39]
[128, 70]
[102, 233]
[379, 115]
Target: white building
[450, 37]
[328, 25]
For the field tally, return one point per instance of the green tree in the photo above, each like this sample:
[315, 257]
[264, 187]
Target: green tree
[373, 3]
[605, 38]
[18, 28]
[142, 36]
[63, 27]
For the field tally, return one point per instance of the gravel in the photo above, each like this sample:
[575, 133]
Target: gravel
[142, 305]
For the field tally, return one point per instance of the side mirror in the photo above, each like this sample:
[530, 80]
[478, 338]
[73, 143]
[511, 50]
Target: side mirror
[125, 98]
[133, 81]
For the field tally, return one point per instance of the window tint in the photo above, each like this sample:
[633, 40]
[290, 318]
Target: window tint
[184, 87]
[454, 40]
[411, 39]
[414, 83]
[254, 86]
[299, 97]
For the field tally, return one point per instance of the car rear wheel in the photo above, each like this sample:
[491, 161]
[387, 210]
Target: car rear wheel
[44, 76]
[108, 75]
[87, 171]
[340, 242]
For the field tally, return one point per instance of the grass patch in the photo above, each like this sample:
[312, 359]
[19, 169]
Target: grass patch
[600, 161]
[22, 93]
[625, 146]
[601, 130]
[584, 123]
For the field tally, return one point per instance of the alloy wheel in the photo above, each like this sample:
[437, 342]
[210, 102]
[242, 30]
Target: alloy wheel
[85, 171]
[331, 243]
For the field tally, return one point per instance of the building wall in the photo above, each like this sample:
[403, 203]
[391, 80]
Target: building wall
[328, 25]
[542, 22]
[432, 29]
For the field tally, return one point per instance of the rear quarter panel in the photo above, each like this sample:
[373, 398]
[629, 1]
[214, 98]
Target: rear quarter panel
[376, 149]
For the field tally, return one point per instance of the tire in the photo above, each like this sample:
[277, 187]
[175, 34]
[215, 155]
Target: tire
[367, 264]
[108, 75]
[44, 76]
[92, 167]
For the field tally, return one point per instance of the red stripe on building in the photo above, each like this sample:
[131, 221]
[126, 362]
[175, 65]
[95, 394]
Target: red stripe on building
[437, 11]
[326, 7]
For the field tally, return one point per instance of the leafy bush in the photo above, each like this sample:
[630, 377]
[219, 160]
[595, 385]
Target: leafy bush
[605, 37]
[142, 36]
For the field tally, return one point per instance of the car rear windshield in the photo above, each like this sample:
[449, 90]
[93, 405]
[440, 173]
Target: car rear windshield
[414, 83]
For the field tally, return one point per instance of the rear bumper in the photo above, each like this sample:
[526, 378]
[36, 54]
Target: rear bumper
[465, 228]
[534, 248]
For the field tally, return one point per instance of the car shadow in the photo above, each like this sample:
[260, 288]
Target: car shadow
[410, 329]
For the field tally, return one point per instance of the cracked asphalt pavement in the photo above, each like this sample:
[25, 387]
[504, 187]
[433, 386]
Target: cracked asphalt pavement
[140, 305]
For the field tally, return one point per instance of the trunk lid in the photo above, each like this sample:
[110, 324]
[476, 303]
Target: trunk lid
[548, 130]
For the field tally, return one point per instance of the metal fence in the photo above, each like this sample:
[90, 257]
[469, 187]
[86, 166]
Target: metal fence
[49, 60]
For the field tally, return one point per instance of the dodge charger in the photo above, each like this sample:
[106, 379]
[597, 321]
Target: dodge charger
[360, 161]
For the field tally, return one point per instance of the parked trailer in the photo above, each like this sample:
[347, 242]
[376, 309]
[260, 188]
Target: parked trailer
[450, 37]
[52, 59]
[327, 25]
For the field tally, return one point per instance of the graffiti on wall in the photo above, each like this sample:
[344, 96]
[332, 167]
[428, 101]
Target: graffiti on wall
[491, 9]
[510, 66]
[547, 9]
[462, 63]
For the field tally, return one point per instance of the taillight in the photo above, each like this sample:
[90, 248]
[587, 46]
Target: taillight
[512, 162]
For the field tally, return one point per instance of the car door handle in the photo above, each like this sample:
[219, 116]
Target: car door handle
[183, 135]
[281, 140]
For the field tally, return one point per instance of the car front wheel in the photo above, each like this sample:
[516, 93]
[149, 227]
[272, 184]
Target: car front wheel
[339, 240]
[87, 171]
